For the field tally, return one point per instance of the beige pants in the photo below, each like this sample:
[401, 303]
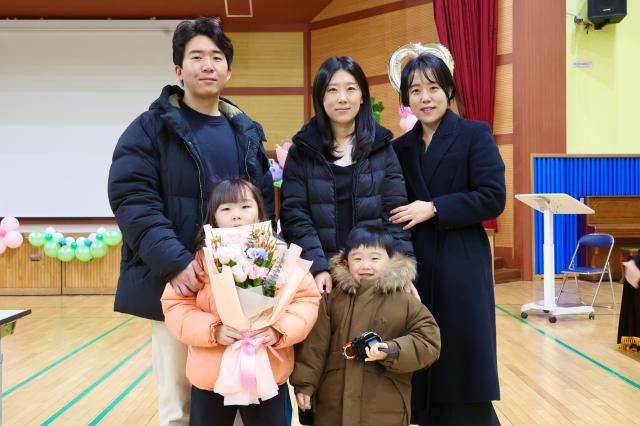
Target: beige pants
[169, 365]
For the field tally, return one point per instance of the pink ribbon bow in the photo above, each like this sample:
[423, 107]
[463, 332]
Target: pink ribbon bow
[248, 347]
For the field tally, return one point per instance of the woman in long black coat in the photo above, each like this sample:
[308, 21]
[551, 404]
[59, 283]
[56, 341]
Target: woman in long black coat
[455, 180]
[341, 171]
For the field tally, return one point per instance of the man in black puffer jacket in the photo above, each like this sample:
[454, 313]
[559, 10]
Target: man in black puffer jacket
[164, 167]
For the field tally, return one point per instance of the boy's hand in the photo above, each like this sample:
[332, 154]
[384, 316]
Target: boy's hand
[375, 354]
[304, 401]
[269, 335]
[226, 335]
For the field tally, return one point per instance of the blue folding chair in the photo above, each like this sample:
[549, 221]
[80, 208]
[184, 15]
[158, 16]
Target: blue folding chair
[594, 241]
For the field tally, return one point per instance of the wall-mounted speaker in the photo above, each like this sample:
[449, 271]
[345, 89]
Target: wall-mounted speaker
[603, 12]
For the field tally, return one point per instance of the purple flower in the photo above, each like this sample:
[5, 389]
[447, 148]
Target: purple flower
[257, 253]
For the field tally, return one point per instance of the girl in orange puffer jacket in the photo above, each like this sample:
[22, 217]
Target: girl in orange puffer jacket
[195, 321]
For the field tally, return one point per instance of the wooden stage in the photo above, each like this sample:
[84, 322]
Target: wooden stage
[74, 361]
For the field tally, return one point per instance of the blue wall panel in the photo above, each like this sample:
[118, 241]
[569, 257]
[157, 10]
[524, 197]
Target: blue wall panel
[578, 177]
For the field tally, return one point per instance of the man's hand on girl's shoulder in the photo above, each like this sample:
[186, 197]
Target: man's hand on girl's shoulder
[191, 280]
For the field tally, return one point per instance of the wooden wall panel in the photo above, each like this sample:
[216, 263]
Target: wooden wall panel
[267, 59]
[342, 7]
[539, 102]
[280, 116]
[26, 270]
[371, 41]
[505, 27]
[98, 276]
[389, 97]
[504, 236]
[503, 112]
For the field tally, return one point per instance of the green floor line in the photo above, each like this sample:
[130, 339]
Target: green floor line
[64, 358]
[94, 385]
[572, 349]
[120, 397]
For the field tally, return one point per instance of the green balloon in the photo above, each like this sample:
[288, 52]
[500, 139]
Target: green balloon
[36, 238]
[99, 237]
[98, 249]
[51, 249]
[65, 254]
[83, 253]
[48, 237]
[112, 237]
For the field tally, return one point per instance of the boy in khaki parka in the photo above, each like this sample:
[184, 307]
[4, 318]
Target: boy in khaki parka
[369, 295]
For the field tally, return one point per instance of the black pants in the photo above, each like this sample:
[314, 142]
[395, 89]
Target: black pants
[207, 408]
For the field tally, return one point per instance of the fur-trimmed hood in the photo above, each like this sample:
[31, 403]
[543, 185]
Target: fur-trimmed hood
[401, 270]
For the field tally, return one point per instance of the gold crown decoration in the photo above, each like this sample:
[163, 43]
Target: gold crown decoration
[413, 50]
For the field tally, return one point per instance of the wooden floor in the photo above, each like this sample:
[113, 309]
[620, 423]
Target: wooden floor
[74, 361]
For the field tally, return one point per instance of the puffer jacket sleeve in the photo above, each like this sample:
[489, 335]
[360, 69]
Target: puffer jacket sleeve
[486, 196]
[420, 347]
[133, 189]
[295, 216]
[265, 180]
[190, 324]
[310, 355]
[297, 321]
[394, 195]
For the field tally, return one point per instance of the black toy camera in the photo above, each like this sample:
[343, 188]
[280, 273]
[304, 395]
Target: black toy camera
[354, 350]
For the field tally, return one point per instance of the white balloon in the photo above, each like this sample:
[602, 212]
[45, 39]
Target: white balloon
[92, 236]
[58, 235]
[50, 230]
[70, 240]
[101, 230]
[80, 241]
[411, 51]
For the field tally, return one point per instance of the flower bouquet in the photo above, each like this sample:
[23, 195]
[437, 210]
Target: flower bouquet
[253, 280]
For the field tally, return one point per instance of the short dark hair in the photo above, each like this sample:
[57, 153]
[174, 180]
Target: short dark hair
[210, 27]
[430, 66]
[369, 236]
[365, 128]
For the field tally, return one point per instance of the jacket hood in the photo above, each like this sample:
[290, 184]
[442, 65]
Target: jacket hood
[309, 135]
[400, 271]
[169, 106]
[171, 96]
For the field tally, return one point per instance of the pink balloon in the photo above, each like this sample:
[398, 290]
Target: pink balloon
[3, 247]
[407, 123]
[13, 239]
[9, 224]
[404, 111]
[3, 232]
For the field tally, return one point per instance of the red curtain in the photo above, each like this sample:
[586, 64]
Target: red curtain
[469, 29]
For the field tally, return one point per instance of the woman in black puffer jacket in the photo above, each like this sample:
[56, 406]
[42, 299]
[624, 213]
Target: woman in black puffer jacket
[341, 171]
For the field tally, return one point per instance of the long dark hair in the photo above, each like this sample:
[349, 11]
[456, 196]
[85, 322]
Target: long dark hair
[365, 128]
[230, 191]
